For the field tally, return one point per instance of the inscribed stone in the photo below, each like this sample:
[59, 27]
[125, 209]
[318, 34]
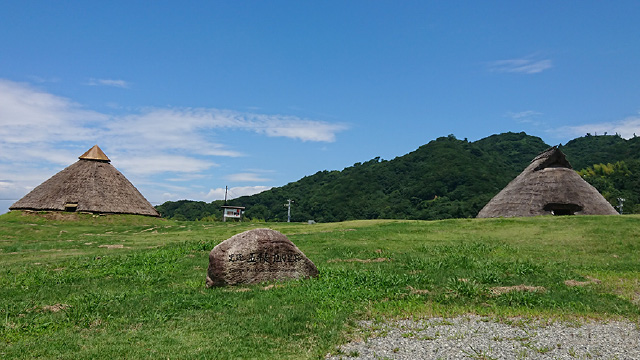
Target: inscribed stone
[255, 256]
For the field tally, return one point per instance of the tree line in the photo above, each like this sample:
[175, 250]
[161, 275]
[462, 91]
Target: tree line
[446, 178]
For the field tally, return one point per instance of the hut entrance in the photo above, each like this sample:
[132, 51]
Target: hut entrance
[71, 207]
[562, 209]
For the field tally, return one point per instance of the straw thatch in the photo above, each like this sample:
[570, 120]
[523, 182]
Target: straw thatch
[548, 186]
[91, 184]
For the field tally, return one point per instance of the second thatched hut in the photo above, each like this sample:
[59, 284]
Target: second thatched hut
[548, 186]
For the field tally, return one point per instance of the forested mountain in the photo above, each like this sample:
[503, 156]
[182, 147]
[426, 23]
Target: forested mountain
[588, 150]
[446, 178]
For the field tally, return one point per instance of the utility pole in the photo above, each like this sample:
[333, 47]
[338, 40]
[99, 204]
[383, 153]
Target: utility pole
[225, 194]
[288, 205]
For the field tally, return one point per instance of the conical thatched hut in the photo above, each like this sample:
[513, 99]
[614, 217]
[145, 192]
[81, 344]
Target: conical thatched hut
[548, 186]
[91, 184]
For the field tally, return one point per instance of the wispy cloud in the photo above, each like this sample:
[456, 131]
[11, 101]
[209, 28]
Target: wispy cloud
[626, 128]
[525, 117]
[161, 163]
[39, 79]
[42, 131]
[33, 119]
[234, 192]
[525, 65]
[292, 127]
[246, 177]
[169, 127]
[522, 114]
[31, 116]
[108, 82]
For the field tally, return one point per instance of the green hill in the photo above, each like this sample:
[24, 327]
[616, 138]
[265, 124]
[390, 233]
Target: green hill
[446, 178]
[586, 151]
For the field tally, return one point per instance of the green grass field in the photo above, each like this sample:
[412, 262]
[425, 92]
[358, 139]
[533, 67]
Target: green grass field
[132, 287]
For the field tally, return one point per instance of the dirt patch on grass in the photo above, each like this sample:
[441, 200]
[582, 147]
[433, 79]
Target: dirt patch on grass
[590, 280]
[242, 289]
[359, 260]
[499, 290]
[320, 232]
[116, 246]
[417, 291]
[56, 307]
[272, 286]
[49, 308]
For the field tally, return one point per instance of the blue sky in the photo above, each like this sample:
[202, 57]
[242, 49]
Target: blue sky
[187, 97]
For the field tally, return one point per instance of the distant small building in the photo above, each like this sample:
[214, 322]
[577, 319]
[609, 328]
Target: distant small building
[232, 212]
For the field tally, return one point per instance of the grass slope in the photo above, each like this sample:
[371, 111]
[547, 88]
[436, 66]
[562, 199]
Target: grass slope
[133, 287]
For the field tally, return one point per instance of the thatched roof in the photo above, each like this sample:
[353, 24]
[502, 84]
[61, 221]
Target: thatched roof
[91, 184]
[548, 186]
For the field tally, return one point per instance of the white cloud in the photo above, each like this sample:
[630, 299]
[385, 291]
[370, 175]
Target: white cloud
[186, 177]
[160, 163]
[10, 191]
[525, 117]
[108, 82]
[522, 114]
[17, 181]
[190, 128]
[626, 128]
[523, 66]
[33, 119]
[38, 79]
[234, 192]
[29, 115]
[292, 127]
[41, 132]
[246, 177]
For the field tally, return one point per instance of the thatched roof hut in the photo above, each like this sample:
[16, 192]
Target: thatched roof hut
[548, 186]
[91, 184]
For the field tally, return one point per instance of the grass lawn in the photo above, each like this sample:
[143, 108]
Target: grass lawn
[91, 287]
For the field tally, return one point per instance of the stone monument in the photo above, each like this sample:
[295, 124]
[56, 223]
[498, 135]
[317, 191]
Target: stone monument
[255, 256]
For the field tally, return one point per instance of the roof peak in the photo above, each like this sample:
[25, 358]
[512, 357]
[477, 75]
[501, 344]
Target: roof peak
[552, 157]
[95, 153]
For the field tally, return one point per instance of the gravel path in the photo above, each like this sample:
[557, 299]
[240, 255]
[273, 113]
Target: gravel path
[475, 337]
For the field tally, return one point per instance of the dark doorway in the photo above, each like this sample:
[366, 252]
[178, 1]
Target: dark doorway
[562, 209]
